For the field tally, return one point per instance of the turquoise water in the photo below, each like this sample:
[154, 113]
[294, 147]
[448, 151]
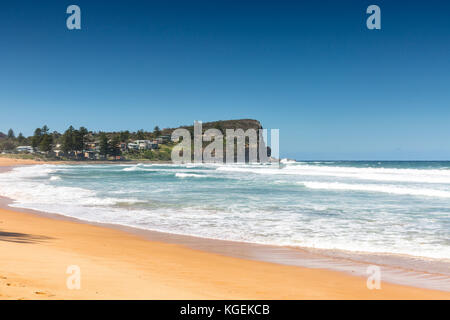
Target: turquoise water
[383, 207]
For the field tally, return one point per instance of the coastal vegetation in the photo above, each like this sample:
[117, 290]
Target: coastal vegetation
[84, 144]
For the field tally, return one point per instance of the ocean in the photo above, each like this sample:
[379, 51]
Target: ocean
[383, 207]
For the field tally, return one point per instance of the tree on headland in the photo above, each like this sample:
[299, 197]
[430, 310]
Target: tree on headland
[83, 132]
[124, 136]
[140, 135]
[36, 140]
[11, 134]
[156, 131]
[77, 141]
[114, 148]
[20, 138]
[74, 140]
[56, 136]
[41, 139]
[46, 143]
[45, 129]
[104, 146]
[67, 140]
[7, 145]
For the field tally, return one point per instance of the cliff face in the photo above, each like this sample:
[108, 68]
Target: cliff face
[222, 125]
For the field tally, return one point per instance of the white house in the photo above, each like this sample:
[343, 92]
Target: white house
[133, 146]
[25, 149]
[143, 144]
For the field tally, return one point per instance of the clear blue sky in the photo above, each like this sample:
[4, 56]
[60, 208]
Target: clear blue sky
[335, 89]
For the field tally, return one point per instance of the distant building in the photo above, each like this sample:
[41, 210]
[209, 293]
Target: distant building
[123, 146]
[143, 144]
[90, 155]
[133, 146]
[28, 149]
[93, 146]
[58, 152]
[165, 139]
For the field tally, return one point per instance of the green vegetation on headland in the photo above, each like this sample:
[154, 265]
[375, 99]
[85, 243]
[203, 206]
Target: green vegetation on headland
[82, 144]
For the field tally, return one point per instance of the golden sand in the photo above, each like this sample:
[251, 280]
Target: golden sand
[36, 251]
[7, 162]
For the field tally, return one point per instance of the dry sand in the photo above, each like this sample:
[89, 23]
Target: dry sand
[6, 162]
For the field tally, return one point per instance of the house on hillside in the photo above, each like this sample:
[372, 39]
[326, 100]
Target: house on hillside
[165, 139]
[93, 146]
[143, 144]
[123, 146]
[90, 155]
[154, 145]
[57, 151]
[27, 149]
[133, 146]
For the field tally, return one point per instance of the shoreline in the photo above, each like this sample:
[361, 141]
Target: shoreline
[8, 161]
[350, 286]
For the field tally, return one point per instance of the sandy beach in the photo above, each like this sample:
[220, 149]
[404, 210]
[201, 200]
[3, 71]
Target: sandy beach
[36, 252]
[9, 162]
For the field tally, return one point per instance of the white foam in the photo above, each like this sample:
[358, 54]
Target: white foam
[377, 174]
[134, 168]
[189, 175]
[287, 161]
[376, 188]
[21, 185]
